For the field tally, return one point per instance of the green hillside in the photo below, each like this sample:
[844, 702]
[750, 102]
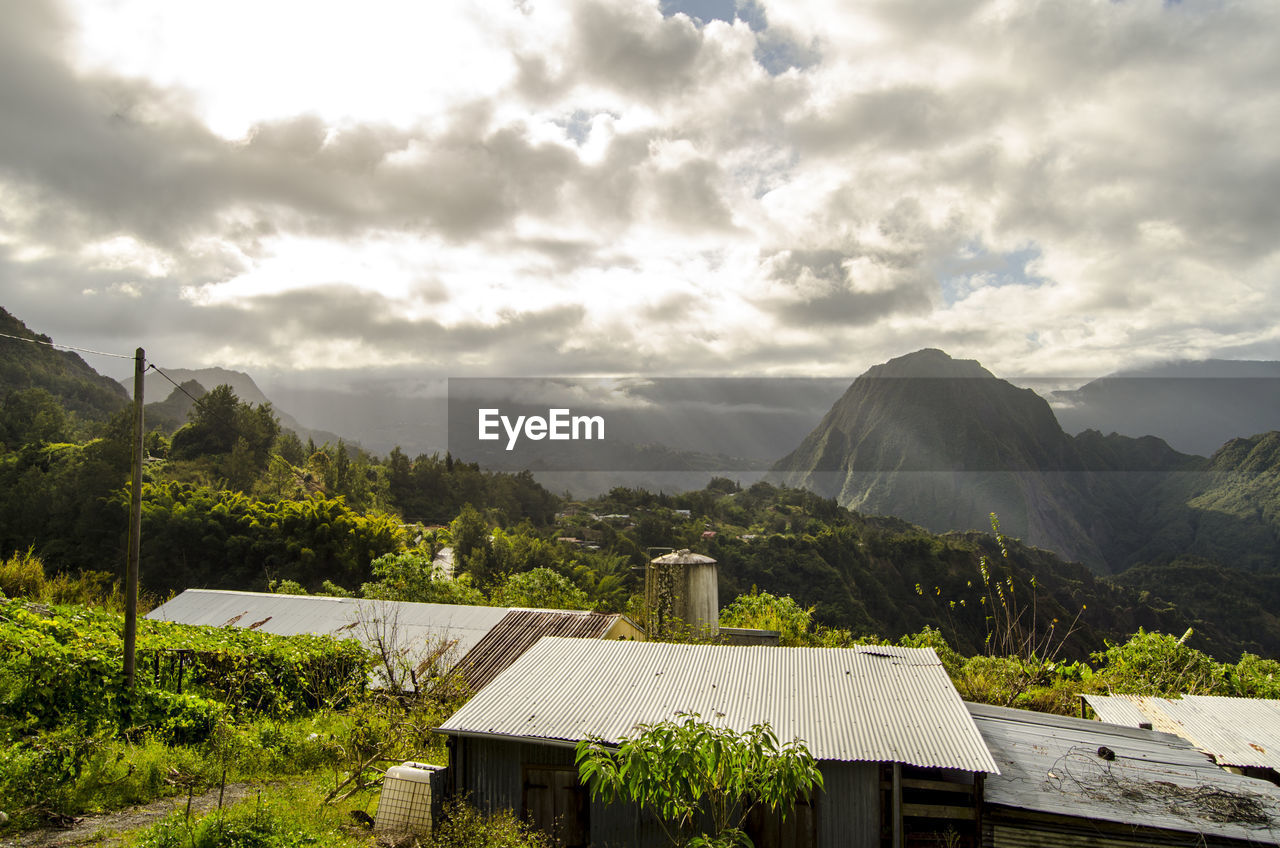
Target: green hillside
[63, 374]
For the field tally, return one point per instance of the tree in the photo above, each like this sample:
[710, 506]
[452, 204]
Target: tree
[682, 769]
[540, 588]
[763, 611]
[222, 426]
[411, 576]
[471, 545]
[32, 416]
[1157, 664]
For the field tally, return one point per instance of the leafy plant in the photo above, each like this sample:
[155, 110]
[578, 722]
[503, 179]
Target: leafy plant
[681, 769]
[540, 588]
[1159, 664]
[463, 826]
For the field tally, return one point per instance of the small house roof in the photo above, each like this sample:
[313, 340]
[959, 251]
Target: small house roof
[1051, 764]
[356, 618]
[866, 703]
[1239, 732]
[477, 641]
[519, 629]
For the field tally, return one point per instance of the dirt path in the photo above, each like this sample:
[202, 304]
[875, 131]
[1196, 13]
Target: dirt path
[103, 829]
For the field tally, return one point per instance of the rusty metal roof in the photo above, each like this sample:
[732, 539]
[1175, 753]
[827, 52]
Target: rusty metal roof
[518, 631]
[1051, 764]
[866, 703]
[1239, 732]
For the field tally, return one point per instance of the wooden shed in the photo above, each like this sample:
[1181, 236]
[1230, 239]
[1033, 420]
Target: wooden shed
[901, 758]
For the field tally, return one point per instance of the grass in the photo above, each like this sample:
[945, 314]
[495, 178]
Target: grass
[287, 816]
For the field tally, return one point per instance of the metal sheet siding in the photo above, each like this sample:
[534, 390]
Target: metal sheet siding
[1050, 765]
[869, 704]
[624, 825]
[1238, 732]
[848, 810]
[849, 807]
[491, 779]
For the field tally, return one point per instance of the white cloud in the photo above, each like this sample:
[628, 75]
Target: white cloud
[589, 179]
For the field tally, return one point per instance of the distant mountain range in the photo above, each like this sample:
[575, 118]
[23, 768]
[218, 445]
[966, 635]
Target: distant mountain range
[1194, 406]
[177, 387]
[944, 443]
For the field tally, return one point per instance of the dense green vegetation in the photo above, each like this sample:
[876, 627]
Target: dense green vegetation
[83, 393]
[207, 703]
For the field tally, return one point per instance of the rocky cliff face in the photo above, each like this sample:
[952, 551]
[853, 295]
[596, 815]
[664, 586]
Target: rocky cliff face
[944, 443]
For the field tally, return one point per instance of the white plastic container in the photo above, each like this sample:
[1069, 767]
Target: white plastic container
[405, 805]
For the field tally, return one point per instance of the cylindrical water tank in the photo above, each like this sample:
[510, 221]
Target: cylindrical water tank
[682, 596]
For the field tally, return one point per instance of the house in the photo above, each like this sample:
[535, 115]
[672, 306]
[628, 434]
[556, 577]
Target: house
[891, 735]
[1070, 782]
[420, 640]
[1242, 734]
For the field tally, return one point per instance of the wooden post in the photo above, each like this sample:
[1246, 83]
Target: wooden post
[135, 525]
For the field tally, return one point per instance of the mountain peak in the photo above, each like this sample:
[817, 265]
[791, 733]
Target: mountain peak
[929, 363]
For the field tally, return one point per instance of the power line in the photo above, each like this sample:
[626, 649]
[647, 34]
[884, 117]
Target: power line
[67, 347]
[171, 380]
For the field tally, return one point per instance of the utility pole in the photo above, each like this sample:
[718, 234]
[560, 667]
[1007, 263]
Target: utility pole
[135, 524]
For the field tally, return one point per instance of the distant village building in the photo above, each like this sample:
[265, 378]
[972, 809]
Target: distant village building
[888, 728]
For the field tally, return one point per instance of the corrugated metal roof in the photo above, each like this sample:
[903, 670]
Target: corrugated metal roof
[518, 631]
[867, 703]
[418, 630]
[1238, 732]
[1050, 764]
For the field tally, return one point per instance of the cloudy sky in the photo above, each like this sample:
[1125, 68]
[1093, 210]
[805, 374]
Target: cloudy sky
[329, 191]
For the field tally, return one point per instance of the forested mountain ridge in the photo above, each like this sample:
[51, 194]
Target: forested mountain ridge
[943, 442]
[62, 373]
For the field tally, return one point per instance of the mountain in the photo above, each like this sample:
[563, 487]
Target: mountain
[62, 373]
[1195, 406]
[943, 443]
[171, 413]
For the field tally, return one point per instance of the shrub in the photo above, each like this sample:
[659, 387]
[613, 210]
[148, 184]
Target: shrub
[463, 826]
[22, 575]
[184, 719]
[1158, 664]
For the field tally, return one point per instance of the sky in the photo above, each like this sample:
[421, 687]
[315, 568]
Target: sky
[332, 193]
